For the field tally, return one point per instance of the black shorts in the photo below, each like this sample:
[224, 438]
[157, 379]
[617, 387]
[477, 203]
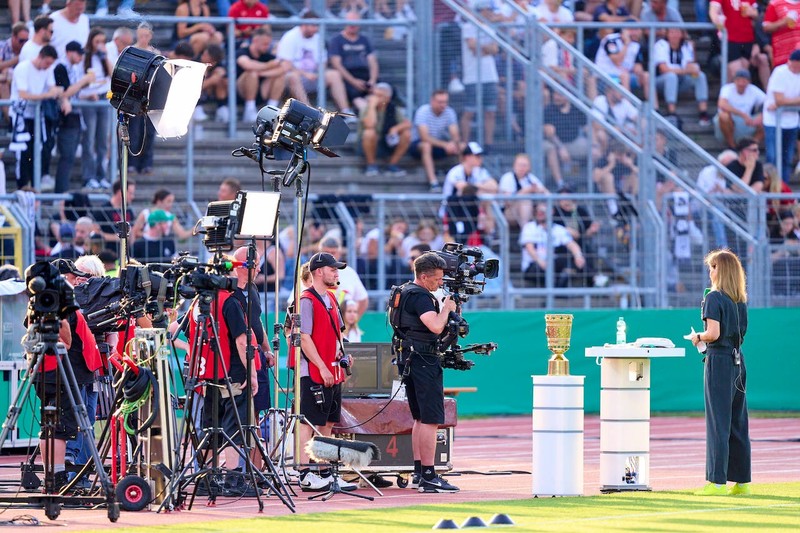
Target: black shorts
[228, 407]
[424, 388]
[66, 424]
[739, 51]
[438, 153]
[331, 408]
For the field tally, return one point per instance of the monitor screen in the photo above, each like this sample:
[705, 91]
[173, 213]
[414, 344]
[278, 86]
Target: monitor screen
[373, 371]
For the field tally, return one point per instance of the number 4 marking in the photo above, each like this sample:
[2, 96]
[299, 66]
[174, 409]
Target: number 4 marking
[391, 448]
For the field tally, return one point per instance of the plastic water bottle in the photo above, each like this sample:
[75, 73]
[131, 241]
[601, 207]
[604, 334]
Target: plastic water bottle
[621, 327]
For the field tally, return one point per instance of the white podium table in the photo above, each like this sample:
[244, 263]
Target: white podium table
[625, 414]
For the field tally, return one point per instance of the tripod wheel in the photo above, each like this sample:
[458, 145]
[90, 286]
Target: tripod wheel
[52, 508]
[113, 512]
[133, 493]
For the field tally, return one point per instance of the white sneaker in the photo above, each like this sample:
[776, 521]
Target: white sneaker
[78, 151]
[346, 486]
[311, 482]
[455, 86]
[250, 115]
[128, 13]
[105, 184]
[101, 11]
[47, 183]
[222, 114]
[92, 184]
[199, 114]
[45, 9]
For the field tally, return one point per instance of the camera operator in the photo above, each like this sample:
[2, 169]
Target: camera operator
[422, 321]
[320, 372]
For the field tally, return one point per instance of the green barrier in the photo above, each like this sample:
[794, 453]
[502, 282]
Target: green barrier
[504, 378]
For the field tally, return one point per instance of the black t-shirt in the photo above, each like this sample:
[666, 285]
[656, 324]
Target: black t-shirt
[568, 125]
[353, 53]
[255, 310]
[233, 315]
[720, 307]
[107, 216]
[416, 305]
[263, 58]
[73, 120]
[738, 169]
[159, 251]
[579, 218]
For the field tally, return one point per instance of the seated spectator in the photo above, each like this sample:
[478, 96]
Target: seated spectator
[350, 286]
[73, 240]
[247, 9]
[478, 54]
[773, 184]
[392, 240]
[737, 17]
[536, 239]
[164, 200]
[108, 214]
[580, 225]
[156, 245]
[746, 166]
[215, 82]
[352, 55]
[9, 57]
[609, 11]
[200, 34]
[659, 11]
[617, 171]
[711, 183]
[299, 50]
[435, 134]
[259, 74]
[783, 89]
[520, 180]
[619, 54]
[384, 131]
[427, 232]
[565, 141]
[416, 251]
[739, 110]
[678, 71]
[619, 111]
[351, 333]
[785, 256]
[551, 11]
[469, 171]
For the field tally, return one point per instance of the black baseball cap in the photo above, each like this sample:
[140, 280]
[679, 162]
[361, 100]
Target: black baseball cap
[74, 46]
[66, 266]
[323, 259]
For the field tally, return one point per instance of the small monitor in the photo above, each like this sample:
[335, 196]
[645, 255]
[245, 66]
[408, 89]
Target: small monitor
[373, 371]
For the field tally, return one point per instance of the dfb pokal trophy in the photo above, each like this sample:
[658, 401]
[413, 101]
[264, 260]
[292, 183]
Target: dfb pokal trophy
[558, 329]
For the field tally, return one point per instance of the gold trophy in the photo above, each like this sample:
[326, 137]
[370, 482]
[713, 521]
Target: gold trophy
[558, 329]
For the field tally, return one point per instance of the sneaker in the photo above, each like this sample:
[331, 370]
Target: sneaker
[351, 120]
[199, 114]
[437, 484]
[414, 481]
[346, 486]
[47, 183]
[101, 12]
[250, 114]
[222, 114]
[60, 480]
[704, 120]
[393, 171]
[380, 482]
[435, 187]
[311, 482]
[93, 183]
[740, 489]
[455, 86]
[45, 9]
[712, 489]
[128, 13]
[372, 171]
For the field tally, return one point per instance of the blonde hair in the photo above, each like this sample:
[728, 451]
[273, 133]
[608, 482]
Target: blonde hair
[91, 264]
[305, 273]
[731, 278]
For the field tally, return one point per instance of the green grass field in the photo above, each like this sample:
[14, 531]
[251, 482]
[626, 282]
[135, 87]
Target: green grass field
[772, 507]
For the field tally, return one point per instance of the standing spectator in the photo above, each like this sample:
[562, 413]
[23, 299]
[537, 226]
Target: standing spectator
[384, 130]
[520, 180]
[95, 118]
[34, 82]
[42, 35]
[72, 78]
[9, 58]
[352, 55]
[109, 215]
[537, 239]
[746, 166]
[737, 17]
[141, 130]
[478, 51]
[20, 11]
[350, 286]
[70, 24]
[120, 40]
[245, 9]
[435, 134]
[739, 110]
[783, 90]
[427, 232]
[678, 71]
[156, 245]
[302, 53]
[565, 139]
[781, 21]
[550, 11]
[259, 74]
[200, 34]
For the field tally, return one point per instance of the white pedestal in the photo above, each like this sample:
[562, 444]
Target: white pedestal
[625, 414]
[558, 435]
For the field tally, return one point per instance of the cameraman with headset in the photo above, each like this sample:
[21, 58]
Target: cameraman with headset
[421, 322]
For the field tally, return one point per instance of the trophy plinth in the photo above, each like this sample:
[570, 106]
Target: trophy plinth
[558, 329]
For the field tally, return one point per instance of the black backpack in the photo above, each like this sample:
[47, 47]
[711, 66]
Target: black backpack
[398, 296]
[97, 294]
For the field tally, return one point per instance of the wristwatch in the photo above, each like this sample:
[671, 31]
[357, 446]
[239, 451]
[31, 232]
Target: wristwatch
[698, 338]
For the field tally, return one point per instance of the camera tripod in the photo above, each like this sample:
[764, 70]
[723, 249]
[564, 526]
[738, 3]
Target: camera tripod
[51, 500]
[198, 467]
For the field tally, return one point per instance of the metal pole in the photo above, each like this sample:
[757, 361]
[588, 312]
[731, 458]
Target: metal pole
[37, 146]
[231, 38]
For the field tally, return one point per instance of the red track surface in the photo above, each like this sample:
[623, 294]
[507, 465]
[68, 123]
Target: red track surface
[677, 450]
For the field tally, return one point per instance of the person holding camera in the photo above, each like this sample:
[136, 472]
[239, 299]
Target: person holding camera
[321, 371]
[727, 425]
[421, 322]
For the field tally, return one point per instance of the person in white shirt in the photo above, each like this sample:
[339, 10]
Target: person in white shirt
[535, 239]
[739, 110]
[678, 72]
[550, 11]
[617, 56]
[520, 180]
[122, 38]
[42, 34]
[70, 24]
[478, 51]
[350, 286]
[783, 89]
[710, 182]
[302, 50]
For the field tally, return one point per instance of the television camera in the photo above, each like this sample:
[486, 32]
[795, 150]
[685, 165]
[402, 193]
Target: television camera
[52, 297]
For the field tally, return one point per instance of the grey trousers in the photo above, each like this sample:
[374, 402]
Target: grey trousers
[727, 427]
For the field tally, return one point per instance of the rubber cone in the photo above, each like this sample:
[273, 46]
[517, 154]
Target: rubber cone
[445, 523]
[473, 521]
[501, 520]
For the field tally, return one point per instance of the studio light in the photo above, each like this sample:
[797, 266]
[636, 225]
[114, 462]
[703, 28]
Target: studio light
[253, 214]
[166, 90]
[297, 124]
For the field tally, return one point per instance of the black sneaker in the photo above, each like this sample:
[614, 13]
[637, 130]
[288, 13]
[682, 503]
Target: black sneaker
[379, 481]
[437, 484]
[60, 480]
[415, 481]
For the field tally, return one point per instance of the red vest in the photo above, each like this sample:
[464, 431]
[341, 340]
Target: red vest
[91, 354]
[325, 338]
[207, 359]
